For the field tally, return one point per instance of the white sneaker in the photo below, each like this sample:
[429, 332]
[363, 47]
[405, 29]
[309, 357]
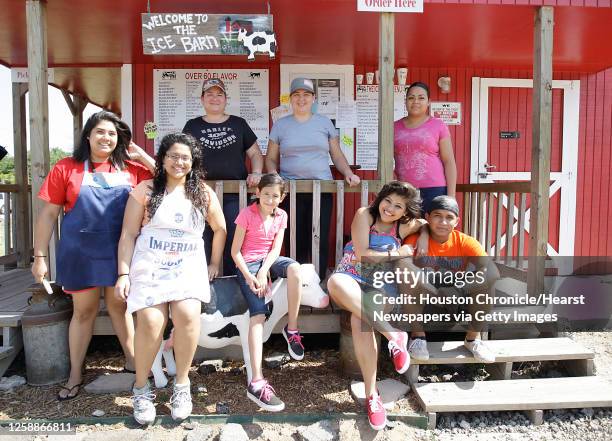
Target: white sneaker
[480, 351]
[144, 407]
[417, 349]
[181, 402]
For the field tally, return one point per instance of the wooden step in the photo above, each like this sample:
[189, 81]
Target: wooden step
[532, 349]
[536, 394]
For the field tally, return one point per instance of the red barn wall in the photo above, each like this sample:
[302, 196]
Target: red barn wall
[593, 209]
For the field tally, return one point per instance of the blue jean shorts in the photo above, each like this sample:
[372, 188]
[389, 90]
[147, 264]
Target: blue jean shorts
[257, 305]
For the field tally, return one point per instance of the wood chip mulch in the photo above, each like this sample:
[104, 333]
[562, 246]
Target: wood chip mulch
[313, 386]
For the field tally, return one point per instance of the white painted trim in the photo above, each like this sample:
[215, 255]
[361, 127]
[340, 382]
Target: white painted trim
[569, 162]
[518, 176]
[566, 180]
[126, 95]
[475, 130]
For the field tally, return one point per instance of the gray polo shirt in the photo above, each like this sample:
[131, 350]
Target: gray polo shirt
[304, 146]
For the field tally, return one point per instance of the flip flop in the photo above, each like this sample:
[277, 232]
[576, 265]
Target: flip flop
[69, 389]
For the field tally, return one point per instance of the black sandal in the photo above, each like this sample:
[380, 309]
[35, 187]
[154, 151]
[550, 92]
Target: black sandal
[69, 389]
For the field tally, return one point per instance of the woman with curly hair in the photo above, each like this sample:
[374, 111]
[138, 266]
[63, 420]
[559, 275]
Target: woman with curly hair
[377, 233]
[162, 238]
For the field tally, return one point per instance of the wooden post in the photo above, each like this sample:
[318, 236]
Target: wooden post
[76, 104]
[23, 239]
[36, 30]
[540, 153]
[386, 65]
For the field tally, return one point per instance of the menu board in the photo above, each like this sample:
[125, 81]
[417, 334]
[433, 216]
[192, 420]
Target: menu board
[367, 122]
[177, 92]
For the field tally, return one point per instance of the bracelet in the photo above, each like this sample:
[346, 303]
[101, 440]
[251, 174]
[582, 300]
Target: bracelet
[38, 256]
[124, 274]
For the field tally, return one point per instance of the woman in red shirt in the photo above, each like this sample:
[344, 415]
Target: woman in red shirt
[92, 188]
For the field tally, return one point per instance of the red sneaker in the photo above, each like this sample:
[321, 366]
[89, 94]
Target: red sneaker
[377, 416]
[399, 352]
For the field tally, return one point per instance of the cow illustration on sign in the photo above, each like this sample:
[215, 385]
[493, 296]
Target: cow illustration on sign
[262, 42]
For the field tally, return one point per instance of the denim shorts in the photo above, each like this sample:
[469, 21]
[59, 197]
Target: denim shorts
[257, 305]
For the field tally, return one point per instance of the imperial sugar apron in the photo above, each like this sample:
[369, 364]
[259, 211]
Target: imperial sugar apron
[169, 262]
[87, 251]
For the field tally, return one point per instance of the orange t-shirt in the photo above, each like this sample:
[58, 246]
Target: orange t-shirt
[452, 255]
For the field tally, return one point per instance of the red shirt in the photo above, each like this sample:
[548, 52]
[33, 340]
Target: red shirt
[63, 183]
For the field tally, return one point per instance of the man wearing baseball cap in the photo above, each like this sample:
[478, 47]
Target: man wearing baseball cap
[228, 141]
[450, 250]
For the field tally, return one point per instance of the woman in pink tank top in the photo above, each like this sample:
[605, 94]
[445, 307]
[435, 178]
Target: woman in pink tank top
[422, 148]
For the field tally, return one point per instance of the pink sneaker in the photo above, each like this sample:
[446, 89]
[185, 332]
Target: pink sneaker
[399, 352]
[377, 416]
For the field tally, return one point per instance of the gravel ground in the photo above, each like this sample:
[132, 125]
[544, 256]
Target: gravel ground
[567, 425]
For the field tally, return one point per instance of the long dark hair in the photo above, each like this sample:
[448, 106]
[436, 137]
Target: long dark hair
[195, 187]
[82, 151]
[403, 189]
[418, 84]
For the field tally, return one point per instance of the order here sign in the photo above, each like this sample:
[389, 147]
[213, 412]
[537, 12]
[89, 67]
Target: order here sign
[390, 5]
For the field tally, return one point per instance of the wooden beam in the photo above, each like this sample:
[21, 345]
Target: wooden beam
[77, 118]
[76, 105]
[23, 239]
[36, 30]
[386, 66]
[540, 153]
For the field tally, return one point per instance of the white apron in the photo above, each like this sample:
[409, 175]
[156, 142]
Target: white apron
[169, 262]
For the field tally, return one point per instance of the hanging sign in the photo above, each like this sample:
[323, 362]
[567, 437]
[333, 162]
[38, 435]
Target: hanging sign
[205, 34]
[390, 5]
[21, 75]
[450, 113]
[366, 154]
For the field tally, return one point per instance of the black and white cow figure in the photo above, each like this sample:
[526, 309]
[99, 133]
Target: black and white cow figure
[225, 320]
[258, 43]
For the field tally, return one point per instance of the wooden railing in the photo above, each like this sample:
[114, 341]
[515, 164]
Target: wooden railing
[316, 188]
[17, 230]
[484, 209]
[484, 216]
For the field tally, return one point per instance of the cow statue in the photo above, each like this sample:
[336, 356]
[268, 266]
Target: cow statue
[225, 320]
[258, 43]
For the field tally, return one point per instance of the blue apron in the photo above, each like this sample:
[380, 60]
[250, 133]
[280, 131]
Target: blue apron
[87, 251]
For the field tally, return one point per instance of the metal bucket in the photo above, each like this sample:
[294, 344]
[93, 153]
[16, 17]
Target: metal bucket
[45, 336]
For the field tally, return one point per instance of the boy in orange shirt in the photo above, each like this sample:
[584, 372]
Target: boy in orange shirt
[452, 251]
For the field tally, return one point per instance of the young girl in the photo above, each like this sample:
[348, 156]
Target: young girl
[377, 232]
[162, 238]
[256, 251]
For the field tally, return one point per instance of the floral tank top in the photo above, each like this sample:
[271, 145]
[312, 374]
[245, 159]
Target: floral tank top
[361, 271]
